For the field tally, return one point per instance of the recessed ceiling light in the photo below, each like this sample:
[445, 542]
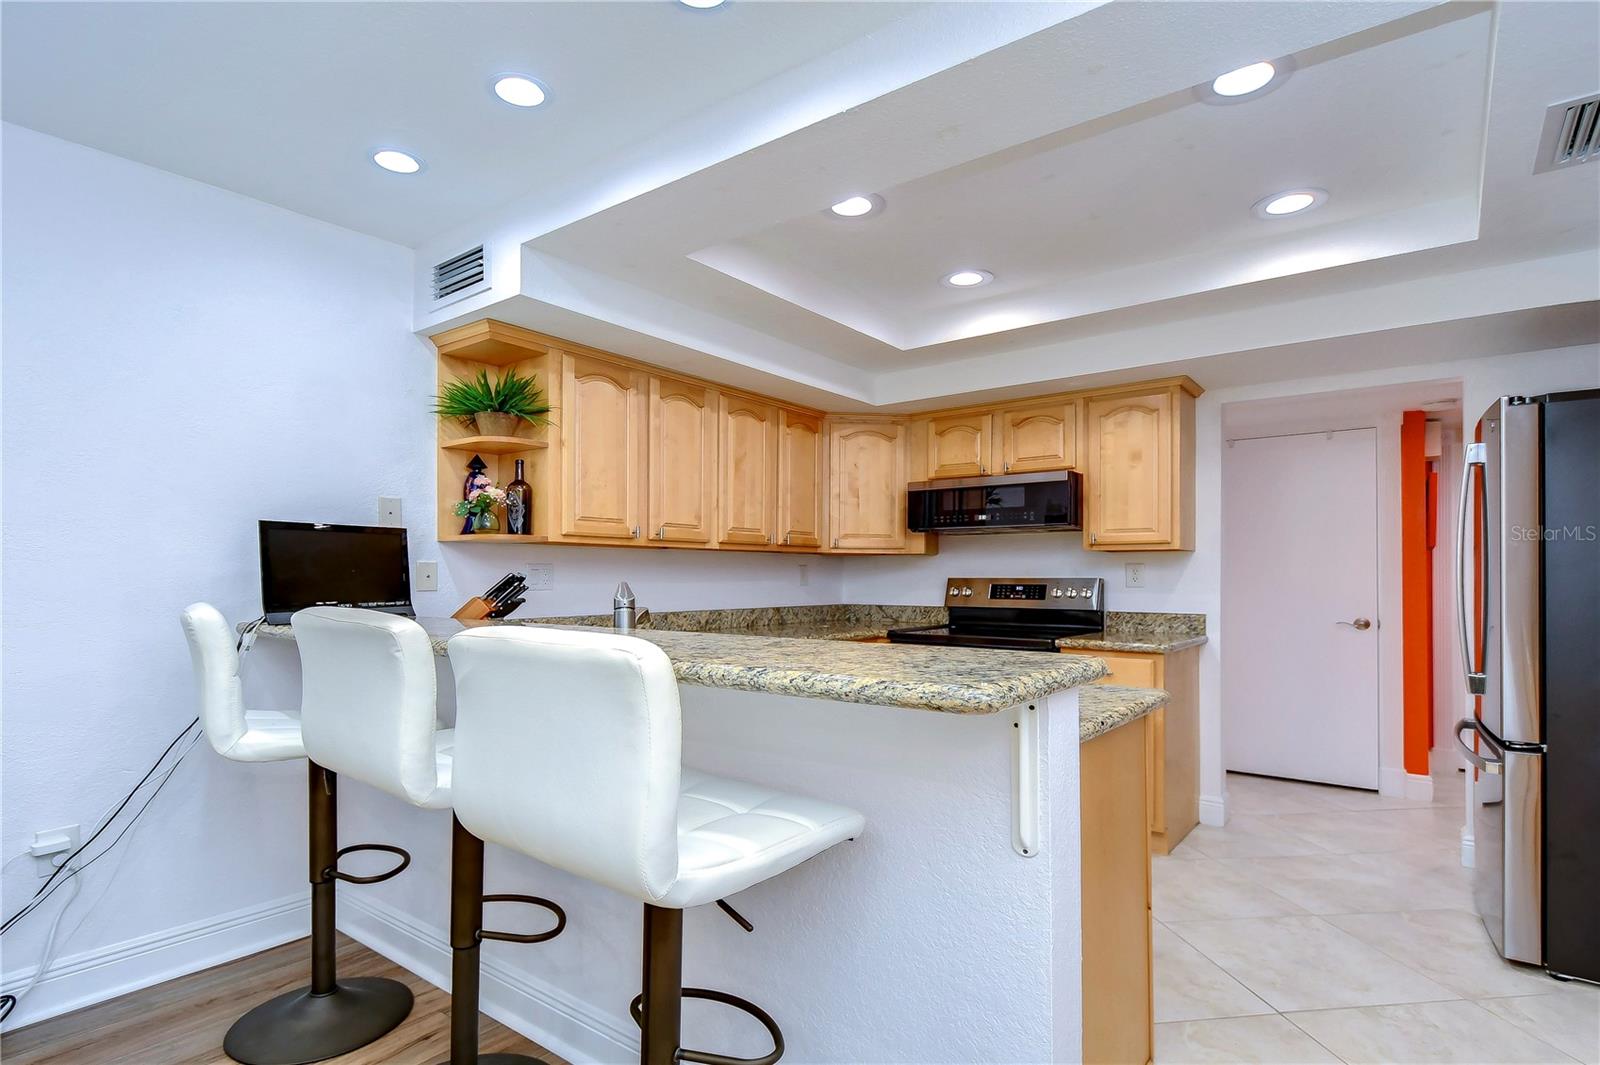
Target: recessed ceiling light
[1244, 80]
[1293, 201]
[1246, 83]
[702, 5]
[397, 161]
[968, 278]
[856, 206]
[519, 90]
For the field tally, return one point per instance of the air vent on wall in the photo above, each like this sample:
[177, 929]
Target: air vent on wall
[1571, 134]
[460, 276]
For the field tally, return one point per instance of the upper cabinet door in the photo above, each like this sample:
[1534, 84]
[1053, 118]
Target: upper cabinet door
[958, 445]
[602, 446]
[867, 479]
[683, 461]
[1038, 438]
[1131, 472]
[748, 479]
[799, 479]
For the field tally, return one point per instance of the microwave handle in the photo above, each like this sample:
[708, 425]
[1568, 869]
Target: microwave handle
[1477, 683]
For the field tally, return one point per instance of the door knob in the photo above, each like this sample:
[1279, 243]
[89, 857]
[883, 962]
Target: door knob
[1359, 624]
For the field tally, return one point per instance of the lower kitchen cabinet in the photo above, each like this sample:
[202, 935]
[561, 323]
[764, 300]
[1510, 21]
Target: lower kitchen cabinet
[1118, 992]
[1172, 738]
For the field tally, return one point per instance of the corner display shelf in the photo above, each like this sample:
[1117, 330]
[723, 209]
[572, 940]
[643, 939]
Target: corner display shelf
[496, 348]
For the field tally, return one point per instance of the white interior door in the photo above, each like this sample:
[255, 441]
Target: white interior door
[1300, 574]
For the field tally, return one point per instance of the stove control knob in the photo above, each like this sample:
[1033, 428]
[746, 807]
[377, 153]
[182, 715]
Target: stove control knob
[954, 590]
[1072, 593]
[1056, 594]
[966, 591]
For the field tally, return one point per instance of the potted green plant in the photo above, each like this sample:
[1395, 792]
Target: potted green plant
[495, 407]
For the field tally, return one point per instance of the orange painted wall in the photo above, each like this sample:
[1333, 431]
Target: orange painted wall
[1416, 591]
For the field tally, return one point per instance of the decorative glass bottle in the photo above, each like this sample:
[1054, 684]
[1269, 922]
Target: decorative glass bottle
[519, 505]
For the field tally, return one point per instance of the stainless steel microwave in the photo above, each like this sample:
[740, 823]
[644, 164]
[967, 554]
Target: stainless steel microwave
[1017, 503]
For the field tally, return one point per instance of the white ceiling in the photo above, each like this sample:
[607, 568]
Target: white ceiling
[667, 200]
[286, 102]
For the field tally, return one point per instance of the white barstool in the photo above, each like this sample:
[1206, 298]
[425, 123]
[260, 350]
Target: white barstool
[369, 711]
[329, 1017]
[567, 750]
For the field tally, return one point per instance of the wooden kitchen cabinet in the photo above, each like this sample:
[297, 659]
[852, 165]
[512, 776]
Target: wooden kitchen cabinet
[1172, 739]
[1139, 469]
[800, 472]
[1118, 971]
[1040, 437]
[602, 418]
[683, 461]
[748, 463]
[959, 445]
[868, 462]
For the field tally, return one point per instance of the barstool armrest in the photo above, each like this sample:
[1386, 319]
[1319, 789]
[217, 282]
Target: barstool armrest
[533, 937]
[705, 1057]
[350, 878]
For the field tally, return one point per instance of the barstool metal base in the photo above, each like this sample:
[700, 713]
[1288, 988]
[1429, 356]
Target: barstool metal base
[298, 1027]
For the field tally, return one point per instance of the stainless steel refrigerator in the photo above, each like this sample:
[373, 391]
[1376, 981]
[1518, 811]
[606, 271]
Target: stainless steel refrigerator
[1529, 560]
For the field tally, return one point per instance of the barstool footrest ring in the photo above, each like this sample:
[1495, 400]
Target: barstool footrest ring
[350, 878]
[705, 1057]
[533, 937]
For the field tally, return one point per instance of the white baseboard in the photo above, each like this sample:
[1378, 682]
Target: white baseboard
[83, 979]
[1419, 787]
[529, 1006]
[1214, 810]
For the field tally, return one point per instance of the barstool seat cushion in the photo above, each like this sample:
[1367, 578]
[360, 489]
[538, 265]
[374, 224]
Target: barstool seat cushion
[269, 736]
[733, 834]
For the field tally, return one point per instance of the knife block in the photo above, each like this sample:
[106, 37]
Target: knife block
[475, 609]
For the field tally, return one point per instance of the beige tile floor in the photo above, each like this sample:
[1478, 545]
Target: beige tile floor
[1325, 924]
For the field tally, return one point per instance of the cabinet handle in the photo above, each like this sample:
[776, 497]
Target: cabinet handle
[1007, 468]
[769, 538]
[983, 469]
[786, 538]
[661, 533]
[635, 533]
[835, 541]
[1093, 537]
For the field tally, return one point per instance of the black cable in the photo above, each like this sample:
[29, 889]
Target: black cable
[46, 889]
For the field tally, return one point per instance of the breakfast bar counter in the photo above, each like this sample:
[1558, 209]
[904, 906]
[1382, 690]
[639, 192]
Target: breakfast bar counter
[965, 763]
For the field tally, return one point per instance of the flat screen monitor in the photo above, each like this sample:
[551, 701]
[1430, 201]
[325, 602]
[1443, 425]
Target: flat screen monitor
[310, 564]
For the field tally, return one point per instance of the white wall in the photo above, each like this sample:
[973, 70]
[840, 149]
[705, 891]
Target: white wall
[180, 361]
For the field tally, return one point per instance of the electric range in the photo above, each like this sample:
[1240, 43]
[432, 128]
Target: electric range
[1015, 613]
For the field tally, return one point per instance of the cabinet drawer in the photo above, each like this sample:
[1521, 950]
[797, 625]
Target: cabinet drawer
[1127, 670]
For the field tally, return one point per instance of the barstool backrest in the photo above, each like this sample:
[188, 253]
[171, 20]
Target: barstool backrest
[368, 700]
[567, 749]
[216, 672]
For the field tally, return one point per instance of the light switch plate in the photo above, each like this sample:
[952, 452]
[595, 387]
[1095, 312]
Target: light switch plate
[541, 576]
[427, 577]
[389, 511]
[1134, 574]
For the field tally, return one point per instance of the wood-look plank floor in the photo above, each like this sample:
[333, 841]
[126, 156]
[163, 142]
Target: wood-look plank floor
[182, 1021]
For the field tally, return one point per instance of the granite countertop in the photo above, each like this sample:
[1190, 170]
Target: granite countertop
[1103, 707]
[945, 679]
[1148, 633]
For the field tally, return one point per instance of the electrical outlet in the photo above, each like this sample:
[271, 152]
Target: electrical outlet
[427, 577]
[541, 576]
[389, 511]
[49, 843]
[1133, 573]
[805, 574]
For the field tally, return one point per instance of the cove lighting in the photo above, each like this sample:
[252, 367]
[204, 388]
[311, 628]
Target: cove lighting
[1245, 80]
[856, 206]
[1294, 201]
[396, 161]
[968, 278]
[519, 90]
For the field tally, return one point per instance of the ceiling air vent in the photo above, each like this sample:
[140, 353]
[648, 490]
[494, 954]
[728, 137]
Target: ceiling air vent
[1571, 134]
[460, 276]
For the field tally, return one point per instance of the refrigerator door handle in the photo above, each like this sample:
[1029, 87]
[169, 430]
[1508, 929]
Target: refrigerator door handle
[1483, 765]
[1477, 683]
